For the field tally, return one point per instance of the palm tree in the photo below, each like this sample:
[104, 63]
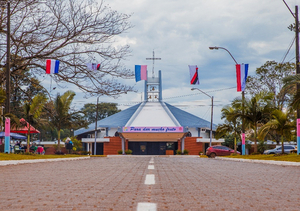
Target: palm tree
[231, 123]
[257, 111]
[281, 124]
[291, 82]
[60, 115]
[32, 111]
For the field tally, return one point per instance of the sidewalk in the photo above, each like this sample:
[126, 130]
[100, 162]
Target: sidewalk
[274, 162]
[16, 162]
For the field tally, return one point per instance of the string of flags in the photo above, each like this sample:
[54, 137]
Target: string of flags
[52, 66]
[241, 75]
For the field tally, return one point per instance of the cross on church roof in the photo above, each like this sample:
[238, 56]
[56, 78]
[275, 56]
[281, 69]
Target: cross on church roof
[153, 58]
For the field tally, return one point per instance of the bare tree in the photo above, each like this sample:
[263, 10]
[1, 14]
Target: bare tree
[75, 32]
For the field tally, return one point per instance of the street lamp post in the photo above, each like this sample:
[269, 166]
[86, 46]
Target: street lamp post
[212, 111]
[96, 126]
[243, 99]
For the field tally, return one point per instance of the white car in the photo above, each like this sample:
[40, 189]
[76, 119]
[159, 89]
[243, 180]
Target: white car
[278, 150]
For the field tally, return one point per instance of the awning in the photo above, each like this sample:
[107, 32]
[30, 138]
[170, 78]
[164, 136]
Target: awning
[207, 140]
[148, 137]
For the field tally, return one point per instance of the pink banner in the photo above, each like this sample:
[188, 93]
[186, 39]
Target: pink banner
[7, 127]
[153, 129]
[298, 127]
[243, 138]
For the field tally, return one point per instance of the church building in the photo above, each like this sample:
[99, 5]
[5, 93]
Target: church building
[151, 127]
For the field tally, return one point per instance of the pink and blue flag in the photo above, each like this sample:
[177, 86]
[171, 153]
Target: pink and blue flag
[241, 76]
[52, 66]
[140, 72]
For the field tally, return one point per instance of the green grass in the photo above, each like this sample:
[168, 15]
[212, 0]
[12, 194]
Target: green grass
[287, 157]
[4, 156]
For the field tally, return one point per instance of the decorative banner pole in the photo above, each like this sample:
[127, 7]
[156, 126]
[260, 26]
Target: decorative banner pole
[7, 136]
[298, 136]
[243, 144]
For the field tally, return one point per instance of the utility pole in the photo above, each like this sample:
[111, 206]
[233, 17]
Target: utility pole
[296, 16]
[297, 50]
[297, 72]
[7, 104]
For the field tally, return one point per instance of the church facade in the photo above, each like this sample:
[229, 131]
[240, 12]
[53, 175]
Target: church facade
[151, 127]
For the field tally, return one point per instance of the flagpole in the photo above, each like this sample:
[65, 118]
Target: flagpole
[211, 113]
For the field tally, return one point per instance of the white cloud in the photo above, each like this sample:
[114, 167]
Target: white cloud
[180, 32]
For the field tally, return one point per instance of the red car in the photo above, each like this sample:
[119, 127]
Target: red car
[214, 151]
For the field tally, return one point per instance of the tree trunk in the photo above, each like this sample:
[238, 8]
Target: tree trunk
[282, 145]
[234, 142]
[255, 141]
[28, 138]
[58, 141]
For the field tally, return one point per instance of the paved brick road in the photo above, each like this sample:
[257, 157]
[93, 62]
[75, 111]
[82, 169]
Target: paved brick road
[117, 183]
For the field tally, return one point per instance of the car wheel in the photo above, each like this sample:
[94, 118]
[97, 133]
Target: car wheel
[212, 155]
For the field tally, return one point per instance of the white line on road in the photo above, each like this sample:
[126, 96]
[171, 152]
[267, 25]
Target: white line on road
[150, 179]
[144, 206]
[151, 160]
[150, 166]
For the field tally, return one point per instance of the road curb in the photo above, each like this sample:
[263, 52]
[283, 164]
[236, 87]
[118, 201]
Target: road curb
[273, 162]
[16, 162]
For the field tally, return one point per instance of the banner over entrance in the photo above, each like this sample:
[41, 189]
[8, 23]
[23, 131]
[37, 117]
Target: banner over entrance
[152, 129]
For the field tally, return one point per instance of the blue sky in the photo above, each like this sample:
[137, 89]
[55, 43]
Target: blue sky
[180, 33]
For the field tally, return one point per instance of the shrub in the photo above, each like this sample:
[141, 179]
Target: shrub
[28, 153]
[59, 153]
[120, 152]
[255, 153]
[185, 152]
[85, 152]
[128, 152]
[234, 154]
[178, 152]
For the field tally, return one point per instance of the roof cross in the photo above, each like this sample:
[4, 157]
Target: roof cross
[153, 58]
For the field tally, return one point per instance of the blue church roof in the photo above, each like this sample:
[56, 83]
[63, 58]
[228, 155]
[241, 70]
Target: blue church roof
[120, 119]
[117, 120]
[189, 120]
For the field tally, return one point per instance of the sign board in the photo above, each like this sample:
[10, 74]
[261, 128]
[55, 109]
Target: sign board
[152, 130]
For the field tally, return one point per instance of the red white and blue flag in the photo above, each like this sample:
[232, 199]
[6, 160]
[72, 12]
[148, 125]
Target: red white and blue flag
[241, 76]
[52, 66]
[93, 66]
[140, 72]
[194, 76]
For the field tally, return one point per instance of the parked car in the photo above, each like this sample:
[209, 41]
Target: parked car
[278, 150]
[294, 150]
[218, 150]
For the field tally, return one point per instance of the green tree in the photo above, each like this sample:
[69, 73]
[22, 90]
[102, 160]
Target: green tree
[104, 110]
[32, 111]
[280, 123]
[62, 116]
[232, 119]
[268, 78]
[257, 111]
[229, 140]
[291, 83]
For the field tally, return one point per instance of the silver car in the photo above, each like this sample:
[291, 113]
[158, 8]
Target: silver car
[278, 150]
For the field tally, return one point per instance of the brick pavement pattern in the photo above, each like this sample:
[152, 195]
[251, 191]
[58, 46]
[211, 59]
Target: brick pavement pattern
[117, 183]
